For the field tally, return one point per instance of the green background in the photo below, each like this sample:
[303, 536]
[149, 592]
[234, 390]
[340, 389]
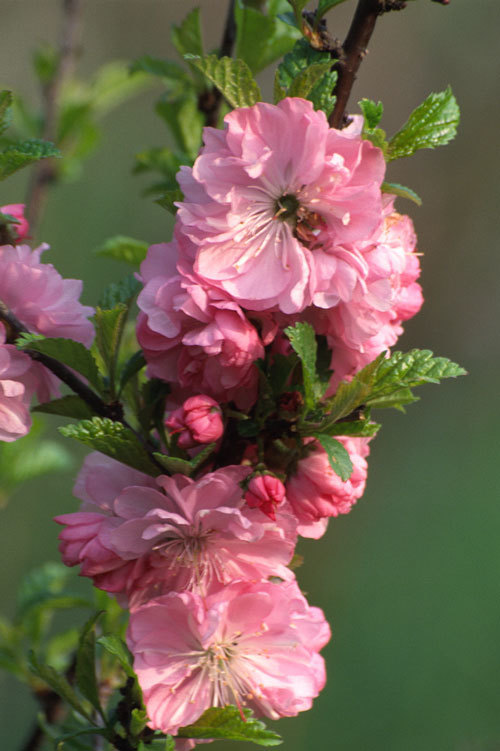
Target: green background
[410, 578]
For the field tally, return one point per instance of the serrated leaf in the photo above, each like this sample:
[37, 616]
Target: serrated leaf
[372, 112]
[125, 249]
[306, 80]
[361, 428]
[5, 105]
[338, 456]
[233, 78]
[410, 369]
[114, 440]
[138, 721]
[57, 683]
[68, 406]
[117, 647]
[120, 292]
[23, 153]
[187, 36]
[326, 5]
[85, 673]
[261, 39]
[397, 400]
[433, 123]
[303, 340]
[73, 354]
[299, 60]
[169, 198]
[226, 722]
[402, 191]
[109, 331]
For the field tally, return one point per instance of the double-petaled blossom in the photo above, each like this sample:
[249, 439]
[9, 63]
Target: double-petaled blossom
[194, 336]
[44, 303]
[271, 202]
[139, 540]
[249, 644]
[316, 492]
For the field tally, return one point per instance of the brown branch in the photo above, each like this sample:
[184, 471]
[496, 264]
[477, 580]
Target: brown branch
[209, 102]
[45, 172]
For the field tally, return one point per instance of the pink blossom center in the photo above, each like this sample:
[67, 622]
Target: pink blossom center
[190, 548]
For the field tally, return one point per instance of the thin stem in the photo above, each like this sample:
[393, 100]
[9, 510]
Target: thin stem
[210, 101]
[44, 173]
[354, 50]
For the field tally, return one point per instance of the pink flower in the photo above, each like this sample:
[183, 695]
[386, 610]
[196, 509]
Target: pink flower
[200, 534]
[316, 492]
[253, 644]
[194, 336]
[85, 539]
[15, 395]
[40, 298]
[266, 493]
[21, 228]
[266, 194]
[199, 420]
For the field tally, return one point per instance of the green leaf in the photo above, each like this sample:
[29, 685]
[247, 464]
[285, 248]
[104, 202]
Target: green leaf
[307, 79]
[187, 36]
[117, 647]
[39, 584]
[138, 721]
[298, 6]
[397, 400]
[85, 674]
[168, 199]
[114, 440]
[57, 683]
[303, 340]
[125, 249]
[233, 78]
[120, 292]
[293, 67]
[134, 364]
[326, 5]
[410, 369]
[45, 63]
[174, 464]
[186, 124]
[226, 722]
[109, 331]
[338, 456]
[171, 72]
[261, 39]
[402, 191]
[73, 354]
[372, 112]
[5, 105]
[23, 153]
[362, 428]
[433, 123]
[67, 406]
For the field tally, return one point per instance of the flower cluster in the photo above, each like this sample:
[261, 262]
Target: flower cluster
[36, 294]
[283, 222]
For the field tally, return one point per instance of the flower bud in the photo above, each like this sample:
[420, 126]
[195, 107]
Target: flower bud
[199, 420]
[19, 229]
[265, 492]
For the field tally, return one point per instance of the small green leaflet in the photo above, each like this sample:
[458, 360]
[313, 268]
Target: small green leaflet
[169, 198]
[125, 249]
[118, 649]
[114, 440]
[176, 465]
[120, 292]
[67, 406]
[23, 153]
[317, 86]
[59, 684]
[261, 38]
[433, 123]
[187, 37]
[326, 5]
[338, 456]
[372, 112]
[226, 722]
[410, 369]
[298, 6]
[233, 78]
[303, 340]
[109, 327]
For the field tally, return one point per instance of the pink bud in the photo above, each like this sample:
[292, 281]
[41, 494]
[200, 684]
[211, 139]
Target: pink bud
[16, 210]
[265, 492]
[199, 420]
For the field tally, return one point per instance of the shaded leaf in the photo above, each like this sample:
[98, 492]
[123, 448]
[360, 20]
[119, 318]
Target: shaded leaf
[22, 154]
[293, 67]
[402, 191]
[260, 38]
[67, 406]
[326, 5]
[133, 365]
[85, 673]
[57, 683]
[303, 340]
[169, 198]
[5, 105]
[125, 249]
[73, 354]
[109, 331]
[120, 292]
[117, 647]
